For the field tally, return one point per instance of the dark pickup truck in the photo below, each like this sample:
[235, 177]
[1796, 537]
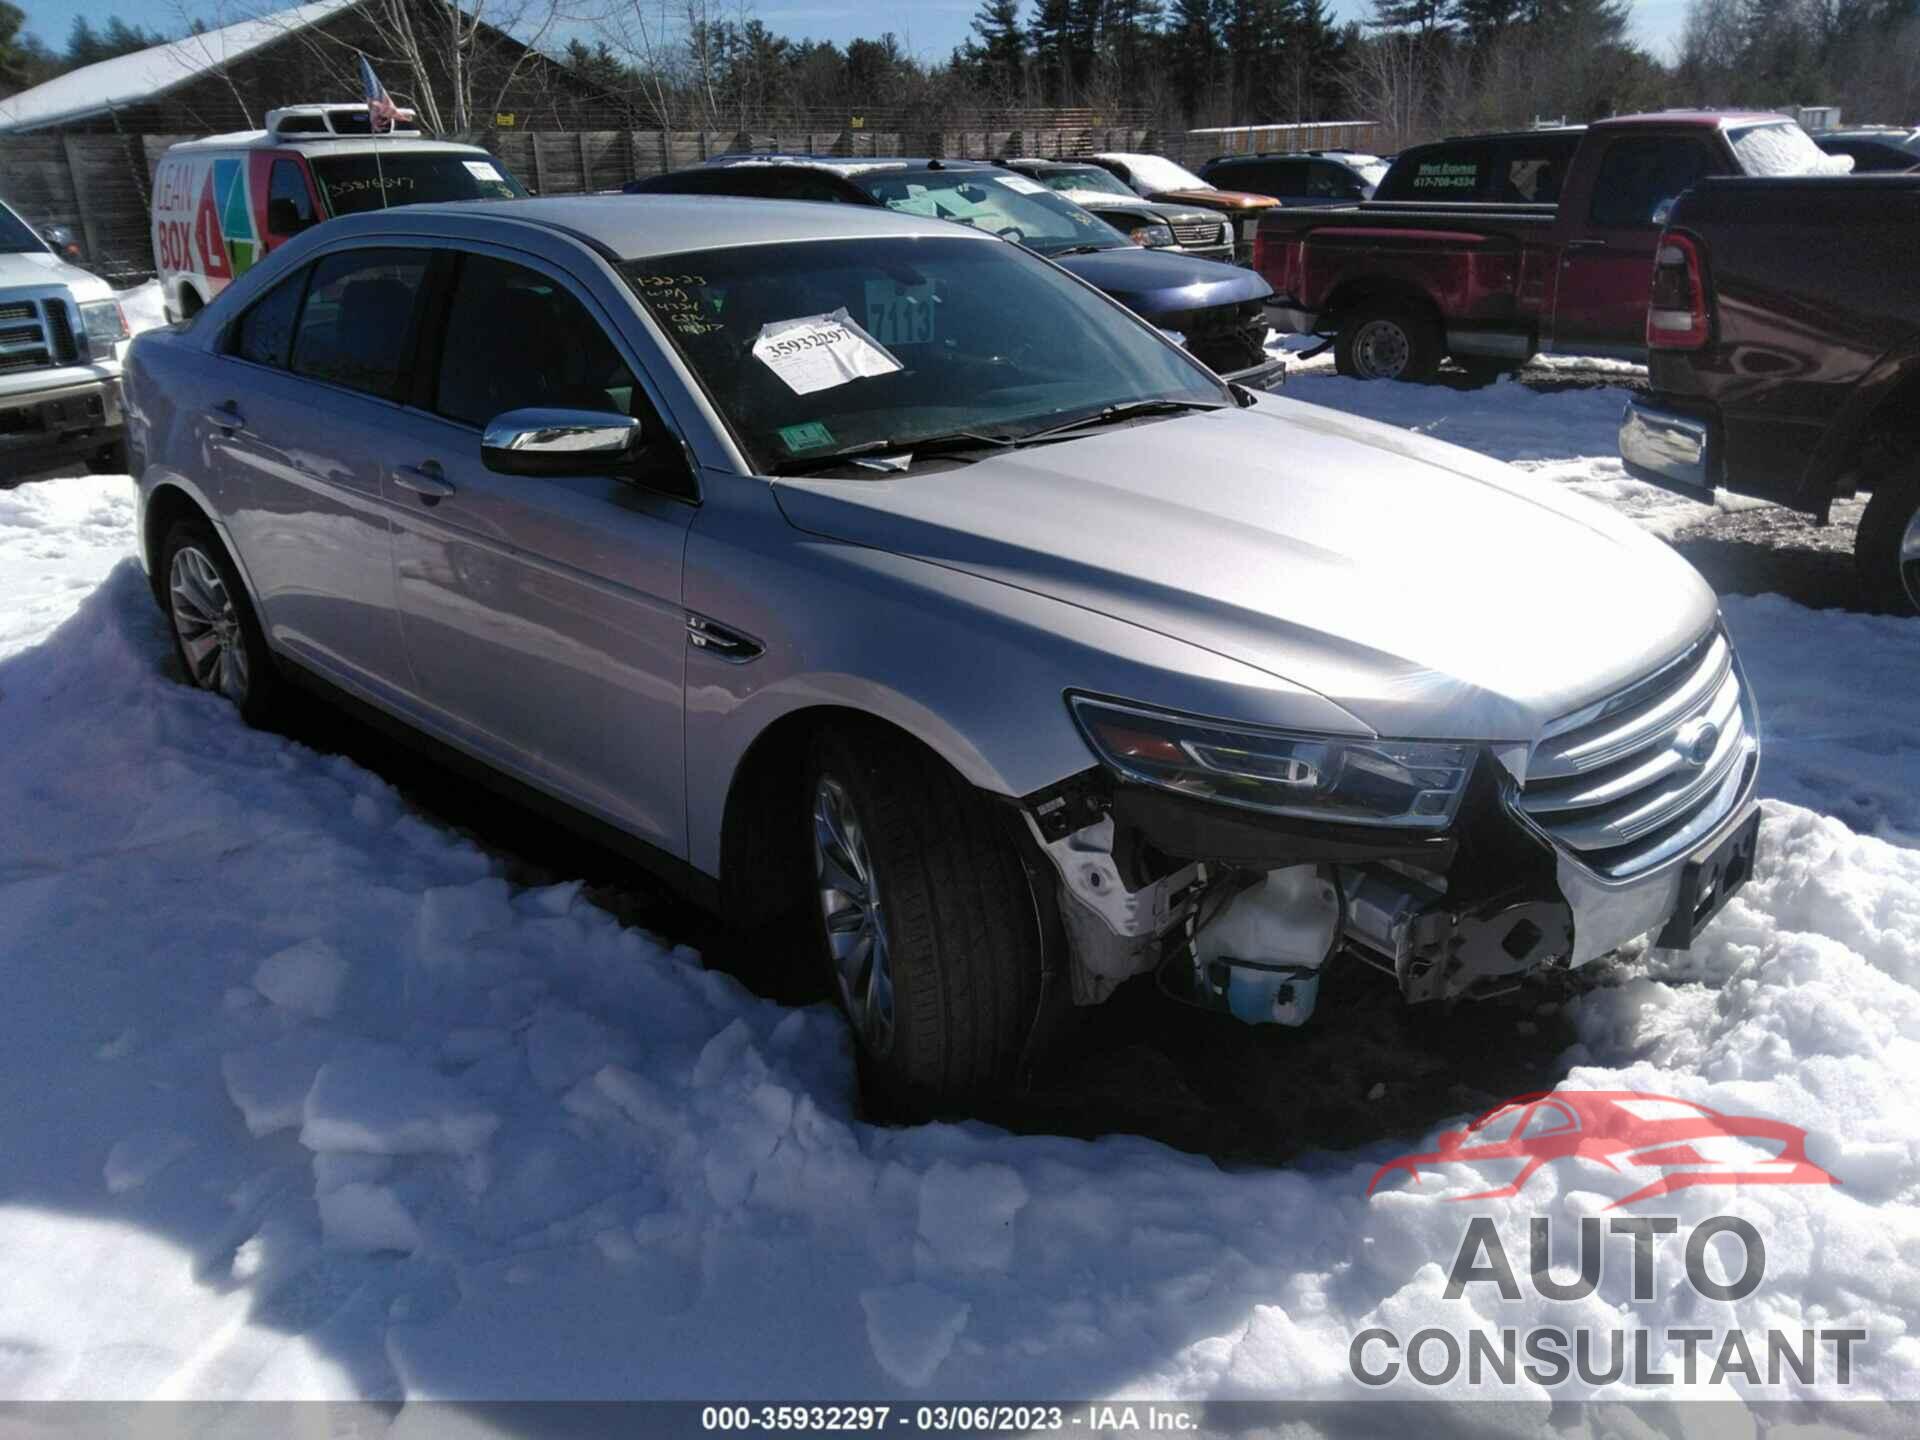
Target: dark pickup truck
[1496, 247]
[1784, 340]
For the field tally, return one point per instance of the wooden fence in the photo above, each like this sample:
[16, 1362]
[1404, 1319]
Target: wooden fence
[100, 185]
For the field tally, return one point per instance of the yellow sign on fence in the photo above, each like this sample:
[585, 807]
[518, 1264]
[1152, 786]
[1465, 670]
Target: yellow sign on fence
[503, 120]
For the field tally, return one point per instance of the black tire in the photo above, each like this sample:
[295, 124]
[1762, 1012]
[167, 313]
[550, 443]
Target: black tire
[1886, 552]
[956, 916]
[109, 459]
[1387, 340]
[199, 612]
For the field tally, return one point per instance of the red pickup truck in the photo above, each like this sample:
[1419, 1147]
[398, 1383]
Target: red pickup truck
[1493, 248]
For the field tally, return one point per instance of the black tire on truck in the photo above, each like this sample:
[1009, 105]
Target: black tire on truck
[924, 919]
[1387, 340]
[1886, 552]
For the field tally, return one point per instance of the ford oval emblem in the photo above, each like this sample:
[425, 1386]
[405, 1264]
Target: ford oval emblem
[1696, 741]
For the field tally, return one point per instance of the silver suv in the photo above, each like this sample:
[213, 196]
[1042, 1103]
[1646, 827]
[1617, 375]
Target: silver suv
[1014, 660]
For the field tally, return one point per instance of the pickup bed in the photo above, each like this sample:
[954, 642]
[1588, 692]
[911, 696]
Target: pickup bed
[1785, 358]
[1401, 284]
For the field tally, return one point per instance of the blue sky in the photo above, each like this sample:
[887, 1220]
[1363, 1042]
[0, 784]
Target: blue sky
[930, 28]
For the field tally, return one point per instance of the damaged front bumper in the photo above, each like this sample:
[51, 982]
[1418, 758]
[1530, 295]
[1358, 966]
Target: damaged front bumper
[1240, 911]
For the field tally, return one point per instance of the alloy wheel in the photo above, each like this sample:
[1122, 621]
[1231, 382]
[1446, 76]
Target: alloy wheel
[208, 624]
[850, 907]
[1381, 350]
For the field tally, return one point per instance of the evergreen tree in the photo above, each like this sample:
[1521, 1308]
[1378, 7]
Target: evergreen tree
[24, 61]
[999, 57]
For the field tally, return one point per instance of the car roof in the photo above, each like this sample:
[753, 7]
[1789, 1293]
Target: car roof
[846, 166]
[639, 226]
[323, 144]
[1545, 131]
[1705, 119]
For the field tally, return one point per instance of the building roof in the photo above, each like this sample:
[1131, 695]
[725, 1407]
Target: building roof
[145, 75]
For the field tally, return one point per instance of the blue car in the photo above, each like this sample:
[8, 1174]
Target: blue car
[1218, 311]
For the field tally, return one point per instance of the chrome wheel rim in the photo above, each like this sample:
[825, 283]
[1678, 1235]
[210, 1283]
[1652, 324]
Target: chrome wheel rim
[208, 624]
[1910, 559]
[850, 909]
[1381, 350]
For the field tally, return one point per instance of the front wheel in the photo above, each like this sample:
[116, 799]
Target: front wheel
[216, 635]
[1886, 552]
[1384, 340]
[926, 923]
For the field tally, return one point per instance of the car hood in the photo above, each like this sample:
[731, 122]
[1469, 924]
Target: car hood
[1162, 284]
[45, 268]
[1218, 199]
[1098, 200]
[1427, 590]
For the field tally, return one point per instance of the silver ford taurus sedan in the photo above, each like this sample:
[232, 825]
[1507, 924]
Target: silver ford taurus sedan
[857, 570]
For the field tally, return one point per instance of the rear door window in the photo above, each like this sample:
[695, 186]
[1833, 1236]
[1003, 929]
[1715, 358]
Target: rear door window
[1445, 172]
[1530, 171]
[358, 324]
[1637, 176]
[264, 334]
[1327, 181]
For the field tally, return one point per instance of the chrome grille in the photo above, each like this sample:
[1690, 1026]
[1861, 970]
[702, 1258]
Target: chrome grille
[60, 332]
[36, 334]
[1207, 232]
[1638, 779]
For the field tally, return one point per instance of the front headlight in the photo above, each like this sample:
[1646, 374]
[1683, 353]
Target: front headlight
[105, 325]
[1349, 779]
[1153, 236]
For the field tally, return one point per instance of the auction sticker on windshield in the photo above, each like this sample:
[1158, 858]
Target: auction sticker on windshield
[819, 352]
[1022, 184]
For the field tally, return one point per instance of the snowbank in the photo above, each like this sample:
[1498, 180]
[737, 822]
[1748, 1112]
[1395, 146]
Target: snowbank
[305, 1100]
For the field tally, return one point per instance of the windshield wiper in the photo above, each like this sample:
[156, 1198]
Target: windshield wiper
[1080, 250]
[1109, 413]
[949, 443]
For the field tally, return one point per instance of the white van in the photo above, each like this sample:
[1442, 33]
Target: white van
[221, 203]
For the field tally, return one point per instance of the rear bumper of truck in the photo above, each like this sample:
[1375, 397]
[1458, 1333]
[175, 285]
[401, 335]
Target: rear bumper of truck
[1669, 449]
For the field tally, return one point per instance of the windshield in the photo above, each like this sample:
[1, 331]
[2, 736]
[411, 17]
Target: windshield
[352, 183]
[808, 350]
[16, 235]
[1783, 149]
[1015, 207]
[1158, 173]
[1085, 177]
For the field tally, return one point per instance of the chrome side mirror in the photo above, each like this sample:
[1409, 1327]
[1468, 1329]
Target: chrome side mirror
[558, 442]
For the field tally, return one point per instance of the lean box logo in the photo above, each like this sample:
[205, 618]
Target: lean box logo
[1674, 1144]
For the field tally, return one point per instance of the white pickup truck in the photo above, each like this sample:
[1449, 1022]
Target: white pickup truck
[61, 339]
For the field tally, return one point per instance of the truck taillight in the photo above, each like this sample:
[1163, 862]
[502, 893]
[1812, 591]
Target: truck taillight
[1677, 312]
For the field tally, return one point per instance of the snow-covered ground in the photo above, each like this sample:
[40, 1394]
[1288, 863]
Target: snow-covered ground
[304, 1099]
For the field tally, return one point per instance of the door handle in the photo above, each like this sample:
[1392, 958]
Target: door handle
[425, 480]
[717, 639]
[225, 416]
[1586, 245]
